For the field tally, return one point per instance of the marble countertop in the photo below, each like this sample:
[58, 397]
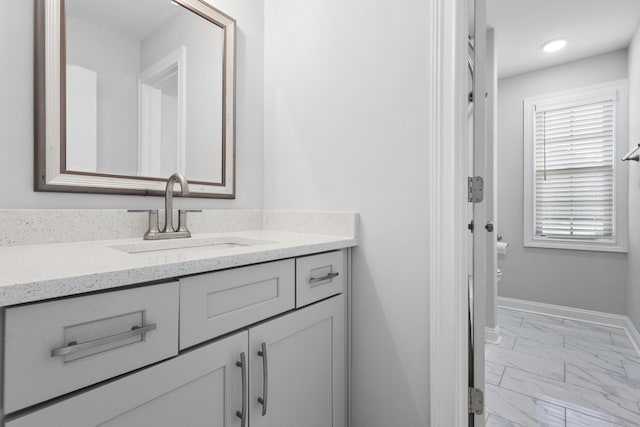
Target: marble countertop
[37, 272]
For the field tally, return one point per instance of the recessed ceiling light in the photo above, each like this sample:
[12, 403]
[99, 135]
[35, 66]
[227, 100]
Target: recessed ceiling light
[554, 45]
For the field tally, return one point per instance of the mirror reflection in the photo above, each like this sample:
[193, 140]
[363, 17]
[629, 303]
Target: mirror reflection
[144, 90]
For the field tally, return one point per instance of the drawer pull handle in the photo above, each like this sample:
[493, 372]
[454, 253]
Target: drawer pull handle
[74, 347]
[243, 364]
[265, 377]
[323, 278]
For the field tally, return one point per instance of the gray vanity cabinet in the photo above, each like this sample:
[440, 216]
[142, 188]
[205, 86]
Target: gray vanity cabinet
[280, 366]
[202, 387]
[291, 369]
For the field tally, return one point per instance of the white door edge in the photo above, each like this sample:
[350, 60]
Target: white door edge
[447, 186]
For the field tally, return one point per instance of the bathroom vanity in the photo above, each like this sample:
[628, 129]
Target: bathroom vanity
[225, 329]
[244, 323]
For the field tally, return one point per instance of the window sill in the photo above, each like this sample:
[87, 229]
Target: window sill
[593, 246]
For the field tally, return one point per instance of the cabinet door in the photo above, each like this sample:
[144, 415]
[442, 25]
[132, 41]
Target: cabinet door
[202, 387]
[297, 368]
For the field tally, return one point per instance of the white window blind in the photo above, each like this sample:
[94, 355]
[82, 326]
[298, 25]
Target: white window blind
[574, 171]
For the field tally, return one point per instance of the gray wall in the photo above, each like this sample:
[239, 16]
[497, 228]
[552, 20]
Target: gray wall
[346, 108]
[633, 296]
[16, 116]
[582, 279]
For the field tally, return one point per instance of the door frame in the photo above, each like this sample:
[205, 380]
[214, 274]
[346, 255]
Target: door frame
[447, 187]
[481, 235]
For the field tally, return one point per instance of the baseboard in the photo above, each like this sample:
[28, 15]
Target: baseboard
[607, 319]
[633, 334]
[492, 335]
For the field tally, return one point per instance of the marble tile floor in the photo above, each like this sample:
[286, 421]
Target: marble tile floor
[549, 371]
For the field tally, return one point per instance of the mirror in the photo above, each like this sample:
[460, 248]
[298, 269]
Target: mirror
[129, 92]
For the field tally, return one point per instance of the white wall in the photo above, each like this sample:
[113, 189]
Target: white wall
[346, 129]
[633, 290]
[16, 116]
[588, 280]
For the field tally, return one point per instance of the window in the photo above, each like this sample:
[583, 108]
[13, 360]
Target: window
[575, 185]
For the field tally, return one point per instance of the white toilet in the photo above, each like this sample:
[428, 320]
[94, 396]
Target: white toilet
[502, 250]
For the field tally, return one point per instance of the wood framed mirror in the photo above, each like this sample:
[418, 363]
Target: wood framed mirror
[129, 92]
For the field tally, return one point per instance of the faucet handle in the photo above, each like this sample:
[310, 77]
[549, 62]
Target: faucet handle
[153, 230]
[150, 211]
[182, 220]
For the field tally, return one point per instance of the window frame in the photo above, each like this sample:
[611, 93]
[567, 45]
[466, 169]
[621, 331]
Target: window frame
[617, 91]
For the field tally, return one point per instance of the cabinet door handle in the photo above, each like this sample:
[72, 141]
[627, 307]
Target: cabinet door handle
[265, 379]
[323, 278]
[74, 347]
[243, 364]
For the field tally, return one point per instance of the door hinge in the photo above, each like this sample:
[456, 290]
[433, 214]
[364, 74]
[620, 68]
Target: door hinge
[470, 226]
[476, 401]
[476, 189]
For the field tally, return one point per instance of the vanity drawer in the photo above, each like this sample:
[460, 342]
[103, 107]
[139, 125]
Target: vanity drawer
[215, 303]
[319, 276]
[115, 332]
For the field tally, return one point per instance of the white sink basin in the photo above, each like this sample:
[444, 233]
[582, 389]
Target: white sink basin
[187, 245]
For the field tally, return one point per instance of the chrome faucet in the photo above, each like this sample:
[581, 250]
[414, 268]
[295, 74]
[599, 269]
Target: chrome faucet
[169, 231]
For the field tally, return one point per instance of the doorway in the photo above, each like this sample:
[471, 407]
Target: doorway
[564, 351]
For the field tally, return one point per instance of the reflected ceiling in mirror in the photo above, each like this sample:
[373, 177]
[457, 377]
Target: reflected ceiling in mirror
[143, 88]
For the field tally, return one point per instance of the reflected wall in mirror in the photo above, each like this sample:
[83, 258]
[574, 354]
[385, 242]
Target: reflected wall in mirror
[130, 92]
